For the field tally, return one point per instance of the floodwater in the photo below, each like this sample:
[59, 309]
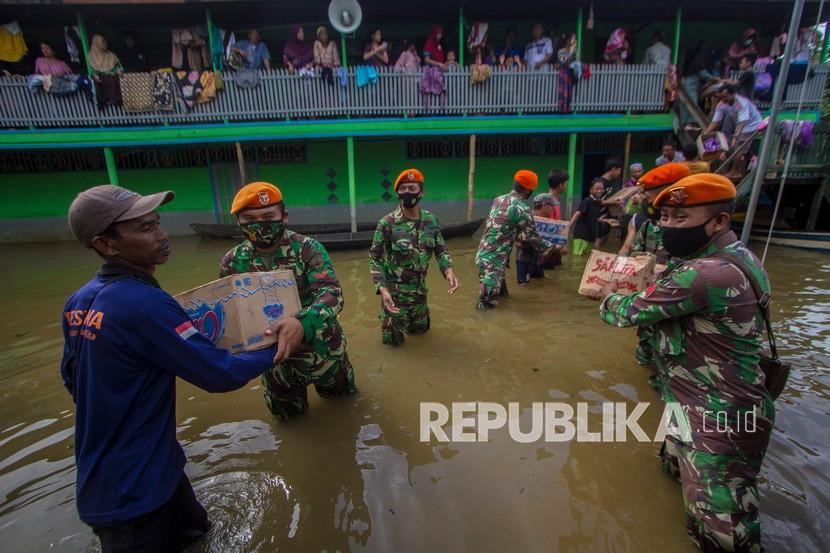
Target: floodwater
[353, 475]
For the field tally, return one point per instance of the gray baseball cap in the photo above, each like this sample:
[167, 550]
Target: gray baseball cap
[542, 199]
[95, 209]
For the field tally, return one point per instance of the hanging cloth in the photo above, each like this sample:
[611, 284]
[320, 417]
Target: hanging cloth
[137, 92]
[12, 45]
[72, 38]
[163, 91]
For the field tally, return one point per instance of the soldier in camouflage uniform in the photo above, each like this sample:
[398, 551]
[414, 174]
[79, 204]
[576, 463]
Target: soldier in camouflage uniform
[403, 244]
[707, 330]
[647, 239]
[311, 345]
[509, 216]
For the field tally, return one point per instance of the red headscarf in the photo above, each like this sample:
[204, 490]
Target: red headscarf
[432, 46]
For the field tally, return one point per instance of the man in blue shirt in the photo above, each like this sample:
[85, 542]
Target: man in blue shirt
[125, 342]
[254, 51]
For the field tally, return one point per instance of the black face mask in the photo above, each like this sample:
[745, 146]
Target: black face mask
[685, 241]
[409, 199]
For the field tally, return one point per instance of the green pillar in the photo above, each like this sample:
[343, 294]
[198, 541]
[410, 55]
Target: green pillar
[824, 45]
[677, 19]
[352, 187]
[579, 33]
[210, 37]
[84, 41]
[461, 36]
[343, 60]
[573, 199]
[110, 161]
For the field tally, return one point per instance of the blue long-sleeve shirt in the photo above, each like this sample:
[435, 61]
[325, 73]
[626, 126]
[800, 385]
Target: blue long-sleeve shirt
[134, 340]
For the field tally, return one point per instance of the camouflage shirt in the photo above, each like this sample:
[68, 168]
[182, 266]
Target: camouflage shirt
[509, 217]
[401, 249]
[320, 294]
[707, 330]
[649, 239]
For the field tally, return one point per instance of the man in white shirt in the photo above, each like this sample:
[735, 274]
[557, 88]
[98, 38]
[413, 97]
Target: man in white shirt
[669, 154]
[736, 109]
[658, 53]
[539, 51]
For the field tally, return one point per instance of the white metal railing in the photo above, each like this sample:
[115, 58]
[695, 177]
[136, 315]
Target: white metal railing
[611, 88]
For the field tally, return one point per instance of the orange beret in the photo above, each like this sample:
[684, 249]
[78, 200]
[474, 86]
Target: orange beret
[256, 194]
[409, 175]
[699, 189]
[526, 179]
[664, 175]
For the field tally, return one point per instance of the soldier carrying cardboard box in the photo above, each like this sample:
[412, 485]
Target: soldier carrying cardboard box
[311, 346]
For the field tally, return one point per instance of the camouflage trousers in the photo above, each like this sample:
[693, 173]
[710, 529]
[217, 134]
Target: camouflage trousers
[720, 497]
[322, 362]
[413, 318]
[491, 282]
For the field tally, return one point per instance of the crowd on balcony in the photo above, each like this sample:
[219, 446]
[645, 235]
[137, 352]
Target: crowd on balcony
[200, 55]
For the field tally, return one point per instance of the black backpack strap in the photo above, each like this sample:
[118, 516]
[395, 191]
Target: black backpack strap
[764, 299]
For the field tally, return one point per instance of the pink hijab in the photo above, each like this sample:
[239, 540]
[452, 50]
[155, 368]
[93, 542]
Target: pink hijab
[616, 42]
[432, 46]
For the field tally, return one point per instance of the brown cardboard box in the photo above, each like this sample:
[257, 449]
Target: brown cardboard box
[632, 274]
[234, 311]
[616, 201]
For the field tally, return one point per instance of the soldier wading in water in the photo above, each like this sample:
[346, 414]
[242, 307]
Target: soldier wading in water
[707, 326]
[311, 345]
[403, 244]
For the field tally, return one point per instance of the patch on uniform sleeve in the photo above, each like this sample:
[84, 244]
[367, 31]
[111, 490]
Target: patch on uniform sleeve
[650, 290]
[321, 275]
[186, 330]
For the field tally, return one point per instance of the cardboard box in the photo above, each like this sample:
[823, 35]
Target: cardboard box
[553, 230]
[617, 201]
[632, 274]
[710, 145]
[234, 311]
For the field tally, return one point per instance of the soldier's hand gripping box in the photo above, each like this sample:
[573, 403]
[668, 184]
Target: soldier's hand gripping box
[233, 312]
[631, 274]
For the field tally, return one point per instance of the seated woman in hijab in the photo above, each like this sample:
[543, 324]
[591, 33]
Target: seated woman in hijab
[325, 52]
[298, 54]
[617, 49]
[48, 64]
[102, 60]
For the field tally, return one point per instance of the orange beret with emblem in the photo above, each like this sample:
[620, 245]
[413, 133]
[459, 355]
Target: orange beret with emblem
[256, 195]
[409, 175]
[526, 179]
[699, 189]
[664, 175]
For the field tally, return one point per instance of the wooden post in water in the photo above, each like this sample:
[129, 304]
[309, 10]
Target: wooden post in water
[241, 159]
[627, 158]
[471, 179]
[352, 183]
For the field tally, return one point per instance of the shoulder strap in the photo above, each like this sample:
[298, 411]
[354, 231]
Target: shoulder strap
[764, 299]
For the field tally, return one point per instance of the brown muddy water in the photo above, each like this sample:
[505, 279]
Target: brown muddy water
[353, 475]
